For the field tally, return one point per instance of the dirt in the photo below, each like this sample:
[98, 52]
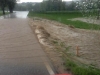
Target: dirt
[88, 20]
[57, 37]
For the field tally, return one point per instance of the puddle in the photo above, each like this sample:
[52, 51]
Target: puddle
[16, 14]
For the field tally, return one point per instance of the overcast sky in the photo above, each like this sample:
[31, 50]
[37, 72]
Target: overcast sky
[36, 0]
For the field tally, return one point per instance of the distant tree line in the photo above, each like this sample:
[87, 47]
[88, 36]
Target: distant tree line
[52, 5]
[10, 4]
[24, 6]
[47, 5]
[55, 5]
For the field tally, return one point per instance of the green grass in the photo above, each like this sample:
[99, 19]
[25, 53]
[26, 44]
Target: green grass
[81, 69]
[2, 14]
[63, 18]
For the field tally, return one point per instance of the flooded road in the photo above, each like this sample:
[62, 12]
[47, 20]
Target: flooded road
[16, 14]
[20, 51]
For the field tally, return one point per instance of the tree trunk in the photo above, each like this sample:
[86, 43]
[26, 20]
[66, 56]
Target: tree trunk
[98, 15]
[3, 11]
[11, 10]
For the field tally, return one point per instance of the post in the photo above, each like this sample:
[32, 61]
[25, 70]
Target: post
[77, 50]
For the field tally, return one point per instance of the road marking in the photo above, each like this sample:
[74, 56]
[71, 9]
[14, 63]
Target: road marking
[51, 72]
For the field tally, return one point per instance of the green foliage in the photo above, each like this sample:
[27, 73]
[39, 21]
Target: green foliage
[7, 3]
[89, 6]
[70, 64]
[11, 5]
[52, 5]
[64, 18]
[0, 13]
[81, 69]
[29, 6]
[55, 42]
[3, 4]
[47, 5]
[67, 48]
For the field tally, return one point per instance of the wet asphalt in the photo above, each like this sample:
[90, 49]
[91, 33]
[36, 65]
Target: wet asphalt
[20, 51]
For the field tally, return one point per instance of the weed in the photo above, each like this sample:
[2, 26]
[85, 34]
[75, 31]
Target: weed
[67, 48]
[55, 42]
[81, 69]
[70, 64]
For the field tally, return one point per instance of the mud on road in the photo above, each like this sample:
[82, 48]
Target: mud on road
[51, 32]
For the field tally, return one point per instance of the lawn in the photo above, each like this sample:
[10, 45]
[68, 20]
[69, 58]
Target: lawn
[64, 17]
[2, 14]
[77, 69]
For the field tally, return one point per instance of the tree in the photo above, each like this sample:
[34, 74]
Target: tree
[37, 7]
[70, 6]
[52, 5]
[98, 10]
[7, 3]
[11, 5]
[3, 4]
[89, 7]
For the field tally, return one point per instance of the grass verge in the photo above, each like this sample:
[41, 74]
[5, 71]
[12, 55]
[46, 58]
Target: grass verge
[72, 65]
[81, 69]
[2, 14]
[63, 18]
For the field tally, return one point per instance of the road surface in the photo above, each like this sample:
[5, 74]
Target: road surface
[20, 51]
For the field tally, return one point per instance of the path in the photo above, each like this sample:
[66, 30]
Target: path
[20, 52]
